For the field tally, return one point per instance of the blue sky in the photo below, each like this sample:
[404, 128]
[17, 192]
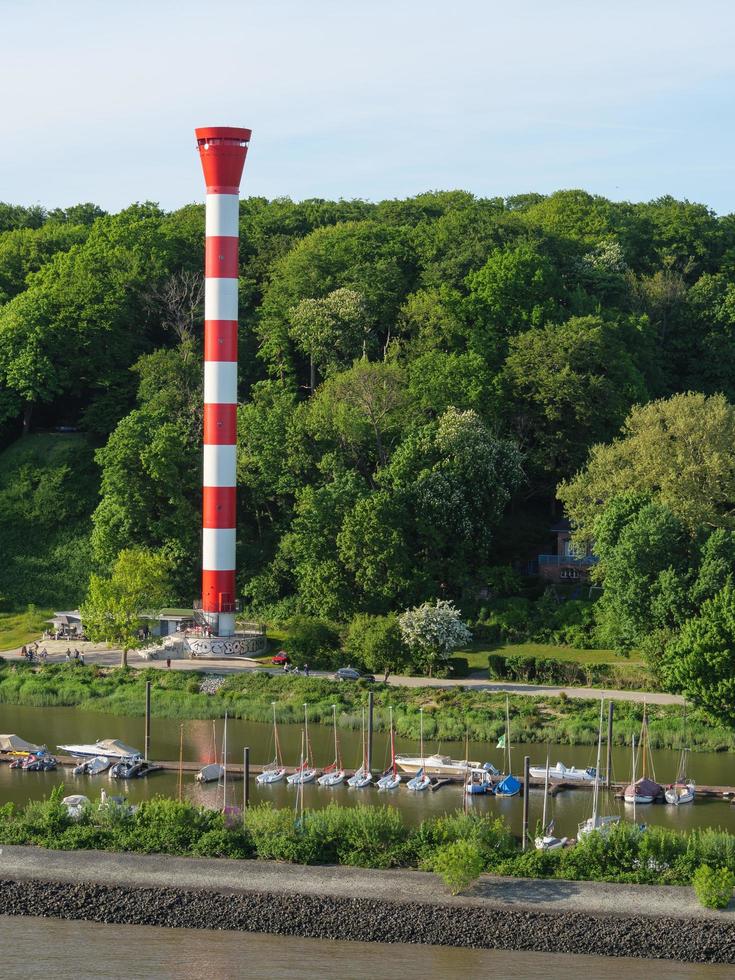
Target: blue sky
[368, 98]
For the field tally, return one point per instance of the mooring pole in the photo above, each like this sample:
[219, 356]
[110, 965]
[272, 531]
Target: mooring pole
[147, 739]
[370, 732]
[608, 761]
[246, 777]
[526, 794]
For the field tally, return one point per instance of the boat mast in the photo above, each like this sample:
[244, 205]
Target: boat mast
[276, 743]
[421, 734]
[224, 768]
[546, 792]
[336, 749]
[306, 736]
[634, 769]
[596, 787]
[507, 733]
[392, 744]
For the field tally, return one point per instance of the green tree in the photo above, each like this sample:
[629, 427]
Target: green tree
[565, 387]
[700, 662]
[331, 332]
[111, 612]
[376, 643]
[458, 864]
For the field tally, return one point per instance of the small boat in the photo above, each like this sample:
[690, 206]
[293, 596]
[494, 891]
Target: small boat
[334, 774]
[683, 790]
[547, 841]
[41, 762]
[361, 779]
[75, 805]
[679, 793]
[113, 748]
[211, 773]
[132, 769]
[275, 771]
[480, 782]
[419, 783]
[643, 790]
[15, 745]
[391, 778]
[508, 785]
[597, 822]
[305, 773]
[437, 764]
[566, 774]
[92, 767]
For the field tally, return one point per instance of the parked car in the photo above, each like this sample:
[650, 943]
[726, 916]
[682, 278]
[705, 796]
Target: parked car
[352, 674]
[281, 658]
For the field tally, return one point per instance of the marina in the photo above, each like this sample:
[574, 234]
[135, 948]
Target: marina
[195, 743]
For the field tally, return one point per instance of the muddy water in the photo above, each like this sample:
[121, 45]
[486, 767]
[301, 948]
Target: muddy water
[35, 949]
[59, 725]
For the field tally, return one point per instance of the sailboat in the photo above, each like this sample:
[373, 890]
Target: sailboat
[333, 775]
[643, 790]
[420, 781]
[275, 771]
[306, 773]
[683, 790]
[363, 777]
[509, 785]
[596, 822]
[546, 841]
[391, 778]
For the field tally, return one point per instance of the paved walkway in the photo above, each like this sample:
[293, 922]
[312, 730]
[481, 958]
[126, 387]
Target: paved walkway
[101, 654]
[143, 870]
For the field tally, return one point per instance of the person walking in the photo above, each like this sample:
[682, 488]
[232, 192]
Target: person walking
[81, 659]
[67, 655]
[23, 651]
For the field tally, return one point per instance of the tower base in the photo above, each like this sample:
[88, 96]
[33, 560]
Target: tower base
[221, 647]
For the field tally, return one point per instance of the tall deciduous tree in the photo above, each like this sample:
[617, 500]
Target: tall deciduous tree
[433, 630]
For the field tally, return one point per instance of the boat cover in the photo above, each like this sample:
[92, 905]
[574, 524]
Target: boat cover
[113, 746]
[14, 743]
[509, 785]
[644, 787]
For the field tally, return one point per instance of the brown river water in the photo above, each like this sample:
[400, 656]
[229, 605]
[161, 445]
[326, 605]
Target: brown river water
[53, 726]
[39, 949]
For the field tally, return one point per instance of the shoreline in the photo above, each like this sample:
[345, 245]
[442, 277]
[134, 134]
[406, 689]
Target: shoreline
[329, 902]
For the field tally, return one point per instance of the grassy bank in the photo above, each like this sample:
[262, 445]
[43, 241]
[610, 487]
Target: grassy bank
[17, 628]
[448, 712]
[365, 836]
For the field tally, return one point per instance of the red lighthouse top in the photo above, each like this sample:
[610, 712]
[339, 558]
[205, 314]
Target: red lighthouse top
[222, 150]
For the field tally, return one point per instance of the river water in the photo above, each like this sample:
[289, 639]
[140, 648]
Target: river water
[36, 949]
[54, 726]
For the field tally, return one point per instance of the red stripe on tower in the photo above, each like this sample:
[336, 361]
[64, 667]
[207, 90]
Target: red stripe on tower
[222, 150]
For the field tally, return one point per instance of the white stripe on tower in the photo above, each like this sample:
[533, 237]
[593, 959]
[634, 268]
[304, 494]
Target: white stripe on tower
[222, 151]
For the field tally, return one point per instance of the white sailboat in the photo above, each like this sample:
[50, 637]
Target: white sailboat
[363, 777]
[213, 771]
[683, 790]
[597, 822]
[275, 771]
[509, 785]
[643, 790]
[420, 781]
[391, 779]
[334, 775]
[546, 841]
[306, 773]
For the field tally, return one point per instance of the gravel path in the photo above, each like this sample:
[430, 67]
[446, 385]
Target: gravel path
[372, 906]
[100, 654]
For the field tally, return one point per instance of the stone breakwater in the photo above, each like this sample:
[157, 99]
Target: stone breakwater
[704, 940]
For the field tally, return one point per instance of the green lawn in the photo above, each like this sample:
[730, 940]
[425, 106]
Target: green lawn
[477, 654]
[17, 628]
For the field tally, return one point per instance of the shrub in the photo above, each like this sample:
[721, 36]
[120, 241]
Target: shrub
[313, 641]
[713, 886]
[458, 864]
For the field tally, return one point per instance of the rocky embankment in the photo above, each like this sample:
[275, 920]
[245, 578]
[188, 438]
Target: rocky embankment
[527, 921]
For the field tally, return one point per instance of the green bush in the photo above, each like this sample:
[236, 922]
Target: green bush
[312, 641]
[713, 886]
[458, 864]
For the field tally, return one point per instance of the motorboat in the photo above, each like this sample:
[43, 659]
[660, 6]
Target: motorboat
[361, 778]
[275, 771]
[438, 765]
[419, 783]
[566, 774]
[75, 805]
[112, 748]
[680, 792]
[15, 745]
[211, 773]
[41, 762]
[92, 767]
[133, 768]
[480, 782]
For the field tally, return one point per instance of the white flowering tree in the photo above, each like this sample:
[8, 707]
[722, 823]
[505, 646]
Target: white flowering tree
[432, 631]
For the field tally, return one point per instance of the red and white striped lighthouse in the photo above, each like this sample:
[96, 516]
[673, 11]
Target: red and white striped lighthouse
[222, 150]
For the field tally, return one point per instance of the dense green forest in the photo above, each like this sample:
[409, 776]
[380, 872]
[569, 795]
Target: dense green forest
[426, 385]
